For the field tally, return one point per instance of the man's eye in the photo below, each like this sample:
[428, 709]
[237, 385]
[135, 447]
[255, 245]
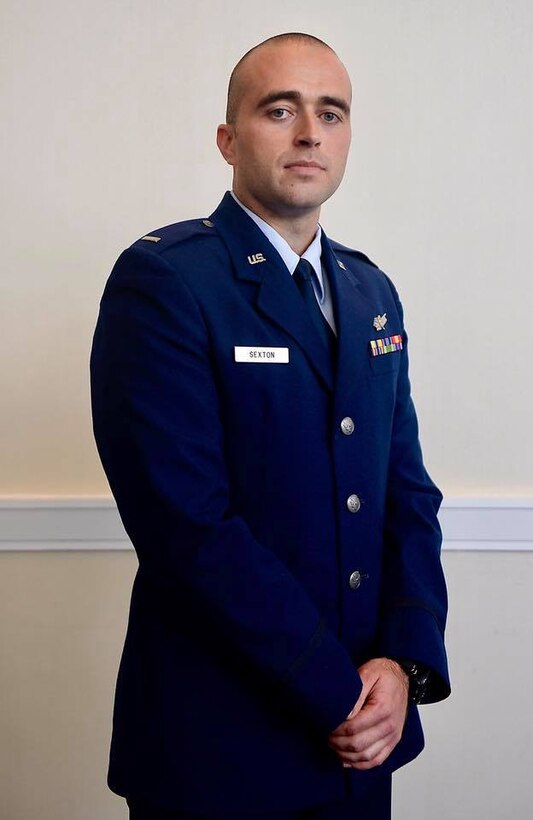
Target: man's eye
[279, 113]
[329, 116]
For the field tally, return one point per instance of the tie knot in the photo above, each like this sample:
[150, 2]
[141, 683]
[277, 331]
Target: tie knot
[304, 271]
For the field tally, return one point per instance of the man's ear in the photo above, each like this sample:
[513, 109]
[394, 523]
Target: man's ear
[225, 142]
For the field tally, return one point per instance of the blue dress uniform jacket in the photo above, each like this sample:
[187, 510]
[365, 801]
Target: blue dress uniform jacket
[277, 550]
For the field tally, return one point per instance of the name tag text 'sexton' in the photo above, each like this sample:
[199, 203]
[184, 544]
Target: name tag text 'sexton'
[267, 355]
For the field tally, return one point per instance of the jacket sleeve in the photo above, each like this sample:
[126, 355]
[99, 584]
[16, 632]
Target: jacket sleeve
[414, 598]
[160, 436]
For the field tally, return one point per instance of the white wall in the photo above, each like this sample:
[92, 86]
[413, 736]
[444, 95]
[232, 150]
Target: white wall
[109, 112]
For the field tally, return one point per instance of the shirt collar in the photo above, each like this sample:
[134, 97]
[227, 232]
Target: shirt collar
[313, 253]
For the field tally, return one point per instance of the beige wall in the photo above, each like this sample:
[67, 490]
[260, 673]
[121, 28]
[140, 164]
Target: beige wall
[62, 622]
[109, 113]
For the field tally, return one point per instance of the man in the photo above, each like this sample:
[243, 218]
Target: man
[252, 411]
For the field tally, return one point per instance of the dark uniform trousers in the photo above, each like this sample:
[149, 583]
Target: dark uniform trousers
[375, 805]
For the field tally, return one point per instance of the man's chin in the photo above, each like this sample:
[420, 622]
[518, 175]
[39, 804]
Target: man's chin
[301, 201]
[302, 209]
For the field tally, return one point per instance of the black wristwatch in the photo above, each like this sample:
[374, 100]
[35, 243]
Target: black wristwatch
[419, 676]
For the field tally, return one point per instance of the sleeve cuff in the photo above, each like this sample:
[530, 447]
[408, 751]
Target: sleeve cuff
[324, 681]
[412, 632]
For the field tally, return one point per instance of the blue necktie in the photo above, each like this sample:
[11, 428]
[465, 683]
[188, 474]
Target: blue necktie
[303, 277]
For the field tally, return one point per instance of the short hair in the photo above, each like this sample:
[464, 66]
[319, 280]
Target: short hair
[234, 88]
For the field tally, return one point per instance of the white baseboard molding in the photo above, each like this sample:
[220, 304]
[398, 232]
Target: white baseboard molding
[93, 523]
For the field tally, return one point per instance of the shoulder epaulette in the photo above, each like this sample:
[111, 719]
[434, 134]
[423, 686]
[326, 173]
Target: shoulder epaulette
[164, 238]
[337, 247]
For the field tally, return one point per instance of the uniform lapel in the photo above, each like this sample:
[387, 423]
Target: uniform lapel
[256, 260]
[353, 312]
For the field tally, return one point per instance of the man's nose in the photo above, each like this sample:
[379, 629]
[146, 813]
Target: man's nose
[307, 131]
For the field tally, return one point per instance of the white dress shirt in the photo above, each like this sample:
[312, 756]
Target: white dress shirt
[313, 254]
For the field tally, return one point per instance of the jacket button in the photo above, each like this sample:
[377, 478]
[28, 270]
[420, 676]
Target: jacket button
[347, 426]
[355, 579]
[353, 503]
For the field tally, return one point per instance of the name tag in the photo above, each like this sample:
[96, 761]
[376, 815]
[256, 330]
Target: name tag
[266, 355]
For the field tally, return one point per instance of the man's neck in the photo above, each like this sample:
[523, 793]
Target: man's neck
[297, 230]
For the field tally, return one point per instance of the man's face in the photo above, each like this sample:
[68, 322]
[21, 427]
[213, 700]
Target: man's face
[289, 143]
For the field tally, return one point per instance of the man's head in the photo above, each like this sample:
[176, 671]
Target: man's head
[236, 85]
[288, 132]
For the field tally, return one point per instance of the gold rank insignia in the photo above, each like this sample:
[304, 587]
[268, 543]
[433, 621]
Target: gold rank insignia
[380, 322]
[149, 238]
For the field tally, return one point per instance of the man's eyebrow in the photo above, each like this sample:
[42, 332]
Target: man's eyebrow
[336, 102]
[276, 96]
[295, 96]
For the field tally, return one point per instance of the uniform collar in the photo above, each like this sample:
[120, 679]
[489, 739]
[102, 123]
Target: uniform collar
[312, 254]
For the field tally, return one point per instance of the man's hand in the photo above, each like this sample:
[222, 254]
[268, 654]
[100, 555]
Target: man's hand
[375, 724]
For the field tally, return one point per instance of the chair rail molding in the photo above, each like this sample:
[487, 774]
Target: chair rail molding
[28, 524]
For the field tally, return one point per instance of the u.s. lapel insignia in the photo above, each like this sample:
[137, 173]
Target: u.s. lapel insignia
[256, 258]
[341, 265]
[380, 322]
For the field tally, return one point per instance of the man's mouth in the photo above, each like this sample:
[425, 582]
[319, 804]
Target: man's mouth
[303, 163]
